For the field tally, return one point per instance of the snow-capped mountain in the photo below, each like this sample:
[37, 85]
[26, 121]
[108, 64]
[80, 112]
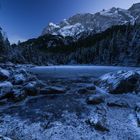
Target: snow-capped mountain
[94, 23]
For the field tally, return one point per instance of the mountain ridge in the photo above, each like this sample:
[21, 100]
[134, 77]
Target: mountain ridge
[98, 22]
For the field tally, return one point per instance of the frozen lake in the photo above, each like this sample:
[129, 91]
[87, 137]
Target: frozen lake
[75, 71]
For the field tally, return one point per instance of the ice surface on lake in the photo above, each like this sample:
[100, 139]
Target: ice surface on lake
[76, 71]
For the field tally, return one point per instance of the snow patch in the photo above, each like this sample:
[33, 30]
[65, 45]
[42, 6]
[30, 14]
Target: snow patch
[54, 25]
[71, 30]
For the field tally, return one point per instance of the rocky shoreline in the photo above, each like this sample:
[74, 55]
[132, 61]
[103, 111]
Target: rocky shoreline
[107, 108]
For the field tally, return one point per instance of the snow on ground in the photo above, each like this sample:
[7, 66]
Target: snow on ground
[69, 115]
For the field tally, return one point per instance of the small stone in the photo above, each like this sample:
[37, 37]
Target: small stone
[18, 95]
[96, 99]
[52, 90]
[31, 89]
[83, 91]
[19, 79]
[91, 88]
[117, 103]
[98, 122]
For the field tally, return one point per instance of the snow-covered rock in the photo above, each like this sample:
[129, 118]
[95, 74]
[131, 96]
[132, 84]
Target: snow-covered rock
[120, 82]
[51, 28]
[18, 83]
[71, 30]
[4, 74]
[6, 85]
[135, 11]
[96, 99]
[98, 120]
[19, 78]
[5, 89]
[4, 138]
[18, 95]
[31, 88]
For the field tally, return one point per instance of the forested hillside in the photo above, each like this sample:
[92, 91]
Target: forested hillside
[118, 45]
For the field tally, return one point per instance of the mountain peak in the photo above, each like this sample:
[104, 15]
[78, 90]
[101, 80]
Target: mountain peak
[96, 23]
[136, 5]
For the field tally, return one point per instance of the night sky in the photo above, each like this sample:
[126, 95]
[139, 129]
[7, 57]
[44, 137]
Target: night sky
[24, 19]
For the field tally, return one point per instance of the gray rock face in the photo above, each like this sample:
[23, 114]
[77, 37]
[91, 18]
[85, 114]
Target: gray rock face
[120, 82]
[135, 11]
[94, 23]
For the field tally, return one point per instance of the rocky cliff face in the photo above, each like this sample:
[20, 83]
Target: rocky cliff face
[95, 23]
[135, 11]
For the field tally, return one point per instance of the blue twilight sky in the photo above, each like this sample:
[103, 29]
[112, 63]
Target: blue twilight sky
[24, 19]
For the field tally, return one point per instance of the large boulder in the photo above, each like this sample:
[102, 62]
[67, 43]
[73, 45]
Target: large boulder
[5, 89]
[120, 82]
